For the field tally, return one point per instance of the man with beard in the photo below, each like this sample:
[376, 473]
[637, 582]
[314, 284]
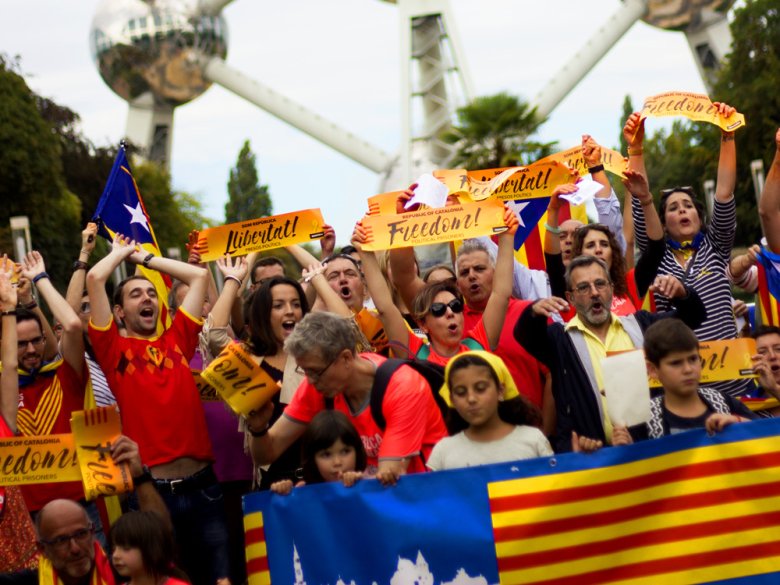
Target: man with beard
[159, 403]
[573, 352]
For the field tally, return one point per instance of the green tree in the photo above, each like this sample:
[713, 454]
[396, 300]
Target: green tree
[31, 177]
[247, 198]
[494, 131]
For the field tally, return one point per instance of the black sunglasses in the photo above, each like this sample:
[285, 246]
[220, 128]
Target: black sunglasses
[438, 309]
[688, 190]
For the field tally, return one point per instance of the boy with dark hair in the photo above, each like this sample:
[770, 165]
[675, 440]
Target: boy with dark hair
[766, 363]
[672, 356]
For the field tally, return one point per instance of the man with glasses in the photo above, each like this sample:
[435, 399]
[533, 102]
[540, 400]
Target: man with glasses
[48, 390]
[573, 352]
[323, 345]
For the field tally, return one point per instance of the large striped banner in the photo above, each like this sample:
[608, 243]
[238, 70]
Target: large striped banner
[691, 508]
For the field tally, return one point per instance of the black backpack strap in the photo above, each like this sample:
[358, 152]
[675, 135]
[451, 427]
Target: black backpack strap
[382, 377]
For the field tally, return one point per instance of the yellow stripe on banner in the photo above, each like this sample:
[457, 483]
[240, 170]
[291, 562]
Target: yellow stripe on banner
[256, 551]
[709, 544]
[253, 520]
[262, 578]
[663, 521]
[590, 477]
[718, 573]
[642, 496]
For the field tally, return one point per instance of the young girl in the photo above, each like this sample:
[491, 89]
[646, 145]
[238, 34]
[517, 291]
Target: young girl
[496, 419]
[144, 550]
[331, 451]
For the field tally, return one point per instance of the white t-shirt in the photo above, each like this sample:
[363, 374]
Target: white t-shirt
[524, 442]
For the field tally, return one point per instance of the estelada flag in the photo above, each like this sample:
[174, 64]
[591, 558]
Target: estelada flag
[121, 211]
[769, 287]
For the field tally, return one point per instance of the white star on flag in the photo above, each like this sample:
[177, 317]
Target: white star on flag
[518, 209]
[137, 216]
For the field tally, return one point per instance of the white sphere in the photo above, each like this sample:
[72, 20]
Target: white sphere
[154, 46]
[678, 14]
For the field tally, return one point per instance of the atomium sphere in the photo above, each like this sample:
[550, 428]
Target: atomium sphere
[155, 47]
[678, 14]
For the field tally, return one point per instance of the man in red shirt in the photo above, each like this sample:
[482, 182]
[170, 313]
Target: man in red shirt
[323, 346]
[158, 400]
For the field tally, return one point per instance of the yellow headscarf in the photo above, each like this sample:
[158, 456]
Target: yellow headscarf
[494, 362]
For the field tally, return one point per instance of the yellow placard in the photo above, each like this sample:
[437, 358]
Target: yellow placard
[694, 106]
[613, 161]
[724, 359]
[206, 391]
[44, 459]
[383, 204]
[239, 380]
[94, 431]
[15, 269]
[507, 184]
[755, 404]
[432, 226]
[264, 233]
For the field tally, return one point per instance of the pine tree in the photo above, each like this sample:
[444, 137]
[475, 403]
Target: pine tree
[247, 199]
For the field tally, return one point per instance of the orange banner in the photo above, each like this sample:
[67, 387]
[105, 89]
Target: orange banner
[239, 380]
[724, 359]
[383, 204]
[613, 161]
[694, 106]
[433, 226]
[264, 233]
[507, 184]
[94, 431]
[207, 392]
[44, 459]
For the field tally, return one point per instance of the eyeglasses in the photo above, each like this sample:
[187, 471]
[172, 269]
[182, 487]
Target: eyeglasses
[686, 189]
[36, 341]
[438, 309]
[60, 543]
[314, 377]
[584, 288]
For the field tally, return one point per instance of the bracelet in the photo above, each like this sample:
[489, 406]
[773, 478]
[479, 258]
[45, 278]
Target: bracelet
[37, 277]
[551, 229]
[258, 434]
[31, 305]
[147, 260]
[79, 265]
[10, 312]
[311, 277]
[727, 137]
[635, 151]
[596, 169]
[236, 278]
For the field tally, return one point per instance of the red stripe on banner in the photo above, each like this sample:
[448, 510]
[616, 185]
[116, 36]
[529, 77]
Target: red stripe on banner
[669, 565]
[257, 565]
[625, 514]
[254, 535]
[534, 252]
[638, 482]
[649, 538]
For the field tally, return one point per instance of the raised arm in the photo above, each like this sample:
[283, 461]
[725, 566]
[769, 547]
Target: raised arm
[24, 294]
[727, 163]
[79, 278]
[234, 271]
[72, 344]
[389, 313]
[634, 135]
[403, 265]
[9, 379]
[552, 240]
[769, 204]
[498, 302]
[314, 275]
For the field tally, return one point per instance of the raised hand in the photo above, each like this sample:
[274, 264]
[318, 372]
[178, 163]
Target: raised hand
[546, 307]
[591, 151]
[33, 264]
[636, 184]
[233, 267]
[634, 130]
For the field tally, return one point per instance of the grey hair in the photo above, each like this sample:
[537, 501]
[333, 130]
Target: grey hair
[326, 333]
[471, 246]
[583, 262]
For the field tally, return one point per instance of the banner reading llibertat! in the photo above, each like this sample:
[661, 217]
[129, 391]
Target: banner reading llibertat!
[433, 226]
[694, 106]
[264, 233]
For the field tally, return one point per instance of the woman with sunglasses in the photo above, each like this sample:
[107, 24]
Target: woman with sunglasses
[696, 253]
[438, 307]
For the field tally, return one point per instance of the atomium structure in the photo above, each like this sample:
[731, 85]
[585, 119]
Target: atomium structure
[158, 54]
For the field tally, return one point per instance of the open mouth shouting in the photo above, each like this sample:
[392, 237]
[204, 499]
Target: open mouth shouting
[288, 326]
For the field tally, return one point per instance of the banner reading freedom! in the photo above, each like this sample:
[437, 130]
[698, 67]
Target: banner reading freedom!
[689, 508]
[264, 233]
[694, 106]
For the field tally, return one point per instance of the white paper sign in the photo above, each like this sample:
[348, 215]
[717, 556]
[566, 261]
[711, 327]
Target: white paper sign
[626, 388]
[429, 191]
[586, 190]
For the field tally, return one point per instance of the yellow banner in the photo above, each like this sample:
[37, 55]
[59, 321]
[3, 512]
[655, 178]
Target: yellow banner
[432, 226]
[383, 204]
[206, 391]
[94, 431]
[507, 184]
[694, 106]
[613, 161]
[725, 359]
[264, 233]
[44, 459]
[239, 380]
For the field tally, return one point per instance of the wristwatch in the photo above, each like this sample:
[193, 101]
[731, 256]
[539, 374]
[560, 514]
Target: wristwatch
[146, 476]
